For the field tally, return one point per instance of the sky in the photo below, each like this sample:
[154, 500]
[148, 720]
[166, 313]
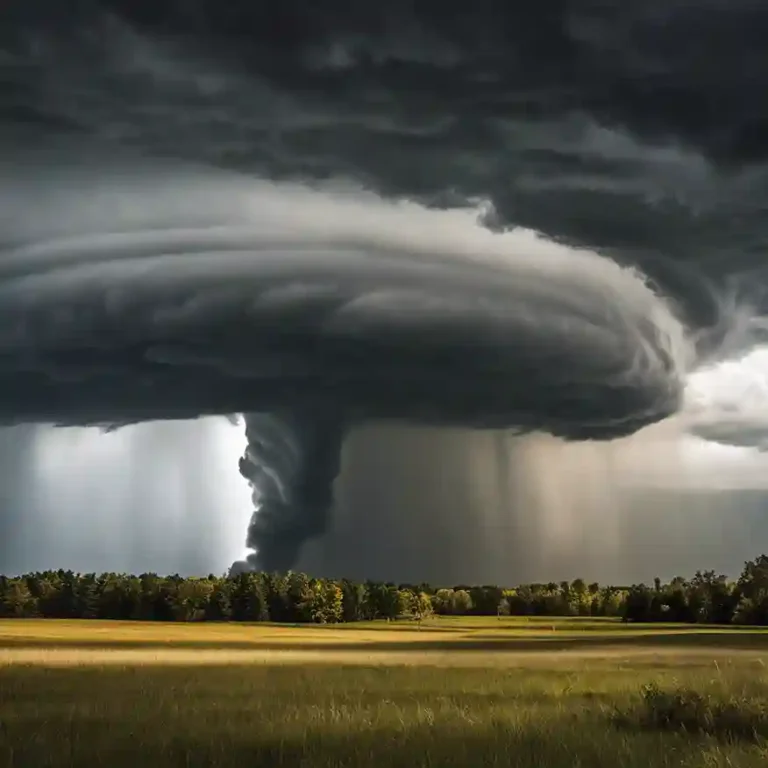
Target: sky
[488, 292]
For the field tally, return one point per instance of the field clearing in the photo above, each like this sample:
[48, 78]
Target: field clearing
[457, 692]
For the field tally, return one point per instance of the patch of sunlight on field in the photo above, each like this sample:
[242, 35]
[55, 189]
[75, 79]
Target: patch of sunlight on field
[27, 639]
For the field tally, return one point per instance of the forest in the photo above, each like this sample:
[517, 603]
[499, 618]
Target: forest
[706, 598]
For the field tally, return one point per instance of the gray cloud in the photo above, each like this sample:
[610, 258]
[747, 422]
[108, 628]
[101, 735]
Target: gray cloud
[737, 432]
[636, 131]
[645, 115]
[331, 310]
[136, 289]
[309, 298]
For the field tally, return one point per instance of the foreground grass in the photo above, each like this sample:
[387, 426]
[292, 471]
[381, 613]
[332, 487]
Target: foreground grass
[427, 706]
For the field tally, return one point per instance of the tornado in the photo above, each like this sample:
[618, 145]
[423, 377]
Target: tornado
[291, 462]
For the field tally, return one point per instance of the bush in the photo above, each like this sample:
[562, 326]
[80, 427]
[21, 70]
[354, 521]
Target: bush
[736, 718]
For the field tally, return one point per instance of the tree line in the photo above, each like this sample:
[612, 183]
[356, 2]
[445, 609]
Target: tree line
[298, 598]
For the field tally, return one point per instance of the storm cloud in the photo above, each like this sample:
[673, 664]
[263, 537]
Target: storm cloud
[330, 310]
[148, 269]
[597, 123]
[302, 298]
[634, 131]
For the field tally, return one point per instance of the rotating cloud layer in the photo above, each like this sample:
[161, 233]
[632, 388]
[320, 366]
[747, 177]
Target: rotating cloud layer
[295, 300]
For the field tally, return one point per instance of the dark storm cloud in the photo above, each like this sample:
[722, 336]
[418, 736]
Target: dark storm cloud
[301, 300]
[634, 131]
[628, 127]
[115, 307]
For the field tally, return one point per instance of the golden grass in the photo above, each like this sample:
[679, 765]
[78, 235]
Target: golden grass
[63, 657]
[461, 693]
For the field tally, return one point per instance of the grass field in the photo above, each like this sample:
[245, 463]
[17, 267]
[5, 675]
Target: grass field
[457, 692]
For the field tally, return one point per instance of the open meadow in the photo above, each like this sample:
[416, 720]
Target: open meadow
[453, 692]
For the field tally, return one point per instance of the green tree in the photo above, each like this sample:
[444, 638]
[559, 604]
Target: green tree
[298, 587]
[714, 597]
[353, 600]
[190, 599]
[322, 602]
[155, 598]
[638, 605]
[746, 611]
[120, 597]
[612, 601]
[752, 592]
[87, 596]
[753, 582]
[461, 602]
[280, 605]
[485, 600]
[383, 601]
[16, 600]
[248, 598]
[442, 602]
[519, 601]
[421, 606]
[219, 606]
[404, 601]
[580, 599]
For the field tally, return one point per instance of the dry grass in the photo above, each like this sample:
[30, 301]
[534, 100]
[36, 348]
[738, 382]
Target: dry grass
[68, 657]
[730, 718]
[458, 693]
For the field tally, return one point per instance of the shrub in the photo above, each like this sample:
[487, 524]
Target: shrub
[692, 712]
